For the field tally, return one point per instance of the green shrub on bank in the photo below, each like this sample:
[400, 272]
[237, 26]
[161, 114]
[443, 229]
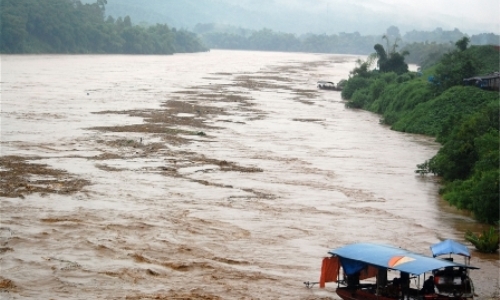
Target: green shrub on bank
[359, 99]
[368, 92]
[408, 95]
[487, 241]
[354, 84]
[428, 117]
[488, 57]
[469, 163]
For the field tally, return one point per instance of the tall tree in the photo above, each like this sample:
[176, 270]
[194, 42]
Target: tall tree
[389, 60]
[462, 43]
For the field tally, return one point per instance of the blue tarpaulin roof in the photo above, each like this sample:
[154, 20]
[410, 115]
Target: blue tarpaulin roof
[449, 247]
[356, 256]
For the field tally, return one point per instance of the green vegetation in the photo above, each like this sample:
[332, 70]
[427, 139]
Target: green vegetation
[487, 241]
[389, 60]
[431, 45]
[68, 26]
[464, 119]
[228, 37]
[426, 54]
[85, 26]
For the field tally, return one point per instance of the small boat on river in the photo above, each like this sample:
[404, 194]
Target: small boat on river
[365, 271]
[328, 85]
[446, 280]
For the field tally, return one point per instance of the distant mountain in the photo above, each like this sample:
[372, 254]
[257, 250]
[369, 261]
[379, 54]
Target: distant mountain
[293, 16]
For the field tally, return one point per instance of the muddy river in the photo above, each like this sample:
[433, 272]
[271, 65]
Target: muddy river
[218, 175]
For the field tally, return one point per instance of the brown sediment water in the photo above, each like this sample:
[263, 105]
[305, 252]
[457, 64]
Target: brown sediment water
[218, 175]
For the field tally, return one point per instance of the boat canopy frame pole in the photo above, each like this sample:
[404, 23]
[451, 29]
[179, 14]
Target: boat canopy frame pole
[381, 279]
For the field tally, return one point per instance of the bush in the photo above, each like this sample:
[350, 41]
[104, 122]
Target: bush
[474, 141]
[487, 241]
[353, 84]
[405, 77]
[376, 89]
[485, 196]
[429, 117]
[389, 77]
[359, 99]
[401, 98]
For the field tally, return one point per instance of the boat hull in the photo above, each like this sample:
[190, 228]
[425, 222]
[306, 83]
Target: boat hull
[350, 294]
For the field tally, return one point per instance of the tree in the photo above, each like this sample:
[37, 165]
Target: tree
[393, 31]
[68, 26]
[13, 34]
[455, 66]
[102, 3]
[389, 60]
[382, 54]
[363, 67]
[127, 22]
[462, 43]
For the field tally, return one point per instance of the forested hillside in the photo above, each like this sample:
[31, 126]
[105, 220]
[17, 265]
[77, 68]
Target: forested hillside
[424, 47]
[68, 26]
[464, 119]
[86, 26]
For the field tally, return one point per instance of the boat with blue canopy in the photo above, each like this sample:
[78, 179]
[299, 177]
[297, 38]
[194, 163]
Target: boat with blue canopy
[449, 247]
[384, 272]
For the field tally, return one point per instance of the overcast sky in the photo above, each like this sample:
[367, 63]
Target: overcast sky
[481, 15]
[368, 17]
[475, 16]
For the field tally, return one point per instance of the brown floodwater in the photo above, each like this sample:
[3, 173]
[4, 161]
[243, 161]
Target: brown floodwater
[218, 175]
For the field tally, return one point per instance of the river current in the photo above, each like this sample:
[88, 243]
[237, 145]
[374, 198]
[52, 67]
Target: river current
[217, 175]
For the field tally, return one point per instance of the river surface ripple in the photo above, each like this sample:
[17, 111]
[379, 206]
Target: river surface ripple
[262, 176]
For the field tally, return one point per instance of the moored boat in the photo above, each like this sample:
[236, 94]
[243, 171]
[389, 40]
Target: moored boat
[328, 85]
[375, 271]
[453, 282]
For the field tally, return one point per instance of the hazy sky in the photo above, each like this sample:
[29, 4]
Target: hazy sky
[478, 15]
[475, 15]
[319, 16]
